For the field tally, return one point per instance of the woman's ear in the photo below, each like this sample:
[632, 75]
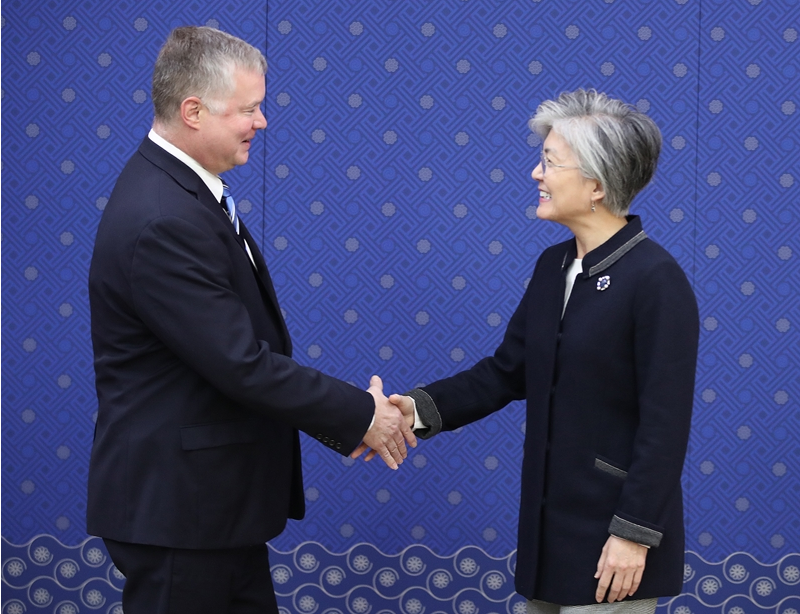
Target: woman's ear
[598, 193]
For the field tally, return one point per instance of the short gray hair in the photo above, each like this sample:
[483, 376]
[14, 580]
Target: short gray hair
[615, 143]
[200, 61]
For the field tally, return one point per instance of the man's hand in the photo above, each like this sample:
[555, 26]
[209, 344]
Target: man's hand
[621, 566]
[389, 432]
[405, 405]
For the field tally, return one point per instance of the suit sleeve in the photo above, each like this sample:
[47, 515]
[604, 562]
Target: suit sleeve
[182, 290]
[665, 345]
[491, 384]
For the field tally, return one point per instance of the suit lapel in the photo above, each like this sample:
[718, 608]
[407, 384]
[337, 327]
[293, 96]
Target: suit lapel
[263, 277]
[191, 182]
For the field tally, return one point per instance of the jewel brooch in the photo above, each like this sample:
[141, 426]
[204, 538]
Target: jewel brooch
[603, 283]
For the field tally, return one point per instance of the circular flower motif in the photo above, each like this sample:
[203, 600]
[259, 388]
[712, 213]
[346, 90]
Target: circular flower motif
[308, 561]
[737, 573]
[41, 554]
[710, 586]
[414, 564]
[280, 575]
[360, 605]
[68, 570]
[117, 573]
[387, 578]
[682, 609]
[307, 603]
[440, 579]
[41, 596]
[15, 568]
[67, 608]
[468, 566]
[535, 67]
[467, 607]
[791, 574]
[494, 581]
[334, 577]
[687, 572]
[361, 563]
[94, 598]
[764, 588]
[15, 608]
[413, 606]
[95, 556]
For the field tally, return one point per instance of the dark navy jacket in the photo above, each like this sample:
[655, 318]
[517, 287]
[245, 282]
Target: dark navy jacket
[609, 399]
[198, 399]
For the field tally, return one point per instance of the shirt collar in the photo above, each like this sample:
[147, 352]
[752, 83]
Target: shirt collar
[212, 181]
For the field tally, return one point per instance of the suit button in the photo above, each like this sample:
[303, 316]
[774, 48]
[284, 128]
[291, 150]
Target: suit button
[319, 436]
[338, 446]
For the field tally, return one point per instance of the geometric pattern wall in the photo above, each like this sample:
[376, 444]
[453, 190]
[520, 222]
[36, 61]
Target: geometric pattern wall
[391, 196]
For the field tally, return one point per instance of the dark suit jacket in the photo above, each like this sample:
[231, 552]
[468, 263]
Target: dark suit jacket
[198, 399]
[609, 394]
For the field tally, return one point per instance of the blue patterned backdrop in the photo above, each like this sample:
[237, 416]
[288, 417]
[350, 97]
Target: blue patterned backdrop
[392, 198]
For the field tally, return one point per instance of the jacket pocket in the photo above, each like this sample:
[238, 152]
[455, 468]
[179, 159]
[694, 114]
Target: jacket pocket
[202, 436]
[607, 467]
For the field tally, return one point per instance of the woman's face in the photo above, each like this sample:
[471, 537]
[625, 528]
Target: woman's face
[565, 195]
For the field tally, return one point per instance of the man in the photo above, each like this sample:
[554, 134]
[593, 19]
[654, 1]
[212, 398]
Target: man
[196, 457]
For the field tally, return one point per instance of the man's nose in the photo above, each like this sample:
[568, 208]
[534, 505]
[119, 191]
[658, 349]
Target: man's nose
[260, 121]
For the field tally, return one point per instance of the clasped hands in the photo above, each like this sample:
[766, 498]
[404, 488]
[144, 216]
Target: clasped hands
[391, 427]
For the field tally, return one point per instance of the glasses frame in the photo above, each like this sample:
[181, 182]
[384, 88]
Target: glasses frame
[543, 161]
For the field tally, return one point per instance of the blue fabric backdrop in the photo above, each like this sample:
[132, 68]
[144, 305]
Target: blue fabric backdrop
[392, 199]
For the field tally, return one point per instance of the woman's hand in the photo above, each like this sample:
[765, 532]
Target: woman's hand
[621, 566]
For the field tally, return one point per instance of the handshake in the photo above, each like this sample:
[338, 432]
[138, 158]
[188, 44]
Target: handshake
[390, 429]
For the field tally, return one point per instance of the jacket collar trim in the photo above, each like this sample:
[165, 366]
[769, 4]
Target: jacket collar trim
[617, 254]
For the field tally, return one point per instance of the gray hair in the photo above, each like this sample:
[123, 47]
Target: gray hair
[614, 143]
[200, 61]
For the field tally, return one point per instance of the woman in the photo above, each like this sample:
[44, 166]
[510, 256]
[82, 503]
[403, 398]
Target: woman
[603, 347]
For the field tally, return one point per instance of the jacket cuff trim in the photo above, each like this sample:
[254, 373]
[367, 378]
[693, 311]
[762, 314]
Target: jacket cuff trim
[634, 532]
[428, 413]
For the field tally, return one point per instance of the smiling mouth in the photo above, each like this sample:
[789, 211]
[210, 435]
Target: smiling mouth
[544, 195]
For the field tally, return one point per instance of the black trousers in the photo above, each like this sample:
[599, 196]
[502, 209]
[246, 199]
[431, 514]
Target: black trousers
[177, 581]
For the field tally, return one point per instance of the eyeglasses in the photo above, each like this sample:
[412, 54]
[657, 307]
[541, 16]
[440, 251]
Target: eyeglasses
[543, 161]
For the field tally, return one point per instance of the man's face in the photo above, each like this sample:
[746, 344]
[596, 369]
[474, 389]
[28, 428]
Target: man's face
[225, 137]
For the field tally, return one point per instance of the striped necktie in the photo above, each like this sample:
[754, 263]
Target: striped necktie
[230, 206]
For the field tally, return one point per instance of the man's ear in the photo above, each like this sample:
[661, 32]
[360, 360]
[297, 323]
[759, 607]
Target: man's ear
[191, 109]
